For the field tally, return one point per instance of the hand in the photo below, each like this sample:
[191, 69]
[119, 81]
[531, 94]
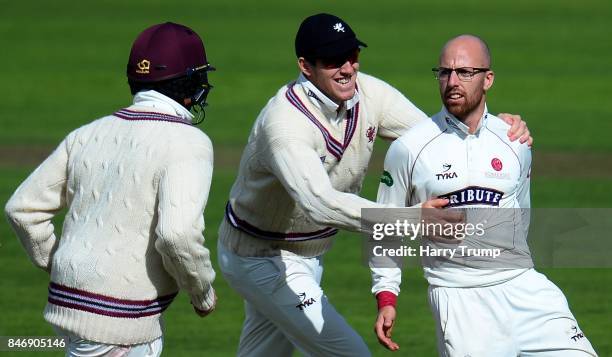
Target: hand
[433, 214]
[518, 128]
[204, 313]
[384, 327]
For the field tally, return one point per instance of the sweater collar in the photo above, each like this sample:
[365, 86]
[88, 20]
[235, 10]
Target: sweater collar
[161, 103]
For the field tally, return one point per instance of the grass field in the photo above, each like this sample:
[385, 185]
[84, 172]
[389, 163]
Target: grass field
[63, 65]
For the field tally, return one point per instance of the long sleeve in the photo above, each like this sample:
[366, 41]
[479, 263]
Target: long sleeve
[35, 203]
[300, 171]
[523, 195]
[183, 192]
[393, 189]
[523, 192]
[398, 114]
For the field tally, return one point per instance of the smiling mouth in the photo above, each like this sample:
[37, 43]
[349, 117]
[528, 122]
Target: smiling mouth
[343, 80]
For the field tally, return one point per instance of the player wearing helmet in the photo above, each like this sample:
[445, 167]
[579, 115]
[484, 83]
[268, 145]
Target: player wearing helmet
[135, 184]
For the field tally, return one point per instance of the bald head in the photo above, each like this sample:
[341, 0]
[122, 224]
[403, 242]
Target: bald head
[465, 51]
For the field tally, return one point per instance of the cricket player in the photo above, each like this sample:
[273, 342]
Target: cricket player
[135, 184]
[297, 184]
[463, 155]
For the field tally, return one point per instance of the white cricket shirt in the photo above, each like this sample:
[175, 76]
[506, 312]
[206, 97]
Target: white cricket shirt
[439, 158]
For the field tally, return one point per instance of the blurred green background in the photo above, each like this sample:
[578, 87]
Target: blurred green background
[64, 63]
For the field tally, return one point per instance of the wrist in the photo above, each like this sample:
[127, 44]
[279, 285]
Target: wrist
[386, 298]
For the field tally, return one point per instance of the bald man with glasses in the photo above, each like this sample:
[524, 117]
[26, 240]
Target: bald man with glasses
[483, 306]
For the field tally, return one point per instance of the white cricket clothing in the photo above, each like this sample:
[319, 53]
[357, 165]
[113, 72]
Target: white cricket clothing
[78, 347]
[439, 158]
[297, 185]
[479, 311]
[286, 308]
[525, 316]
[135, 184]
[300, 174]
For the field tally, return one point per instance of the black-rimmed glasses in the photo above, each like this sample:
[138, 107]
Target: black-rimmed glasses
[465, 74]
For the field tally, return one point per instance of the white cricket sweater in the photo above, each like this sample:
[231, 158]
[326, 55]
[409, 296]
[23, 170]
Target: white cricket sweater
[304, 164]
[135, 184]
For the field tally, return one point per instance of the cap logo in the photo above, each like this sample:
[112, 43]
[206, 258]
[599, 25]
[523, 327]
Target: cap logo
[338, 27]
[143, 66]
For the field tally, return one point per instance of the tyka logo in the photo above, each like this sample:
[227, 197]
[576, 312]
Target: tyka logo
[577, 334]
[445, 174]
[305, 302]
[312, 94]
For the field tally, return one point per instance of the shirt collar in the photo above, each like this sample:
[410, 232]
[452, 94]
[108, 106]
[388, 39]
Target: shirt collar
[161, 103]
[454, 123]
[320, 100]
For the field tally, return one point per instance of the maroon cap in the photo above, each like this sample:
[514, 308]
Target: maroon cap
[165, 51]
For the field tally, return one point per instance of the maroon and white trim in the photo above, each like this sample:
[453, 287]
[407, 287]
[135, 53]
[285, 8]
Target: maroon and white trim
[333, 146]
[249, 229]
[128, 114]
[72, 298]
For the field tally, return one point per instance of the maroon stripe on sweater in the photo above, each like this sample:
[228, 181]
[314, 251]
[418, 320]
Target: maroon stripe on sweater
[102, 312]
[108, 298]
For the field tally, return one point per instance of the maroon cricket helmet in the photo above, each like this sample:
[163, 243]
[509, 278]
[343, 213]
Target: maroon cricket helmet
[165, 51]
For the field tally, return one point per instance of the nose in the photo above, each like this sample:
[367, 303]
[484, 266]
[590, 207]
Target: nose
[347, 67]
[453, 79]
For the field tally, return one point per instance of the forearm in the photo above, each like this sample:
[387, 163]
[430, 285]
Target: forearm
[188, 262]
[305, 179]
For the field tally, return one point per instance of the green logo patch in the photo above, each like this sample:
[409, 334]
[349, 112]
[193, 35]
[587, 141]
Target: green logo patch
[386, 179]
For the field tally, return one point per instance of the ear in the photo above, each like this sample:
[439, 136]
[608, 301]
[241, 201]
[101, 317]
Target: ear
[305, 66]
[489, 79]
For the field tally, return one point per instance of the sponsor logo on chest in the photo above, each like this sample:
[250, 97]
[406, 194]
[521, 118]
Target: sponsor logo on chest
[473, 195]
[446, 173]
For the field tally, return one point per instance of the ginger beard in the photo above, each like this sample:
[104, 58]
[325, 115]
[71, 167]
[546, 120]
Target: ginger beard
[462, 99]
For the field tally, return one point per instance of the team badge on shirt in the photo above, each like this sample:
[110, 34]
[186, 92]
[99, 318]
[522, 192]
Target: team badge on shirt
[386, 178]
[496, 164]
[370, 133]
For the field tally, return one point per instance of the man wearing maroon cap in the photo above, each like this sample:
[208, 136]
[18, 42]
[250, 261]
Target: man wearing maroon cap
[297, 185]
[135, 184]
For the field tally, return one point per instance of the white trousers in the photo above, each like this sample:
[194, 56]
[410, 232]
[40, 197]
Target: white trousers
[78, 347]
[526, 316]
[286, 308]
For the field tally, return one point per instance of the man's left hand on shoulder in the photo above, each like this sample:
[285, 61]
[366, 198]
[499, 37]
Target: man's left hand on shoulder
[518, 128]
